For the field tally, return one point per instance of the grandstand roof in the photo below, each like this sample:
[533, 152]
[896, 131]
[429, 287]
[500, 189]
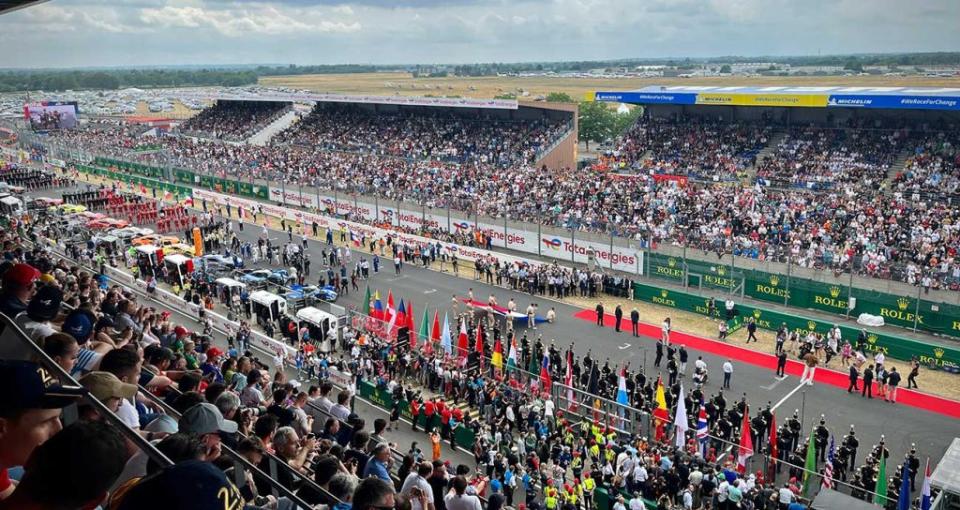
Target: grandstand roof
[448, 102]
[910, 98]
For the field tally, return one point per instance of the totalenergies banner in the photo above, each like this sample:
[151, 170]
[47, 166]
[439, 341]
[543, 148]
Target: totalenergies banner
[733, 99]
[561, 247]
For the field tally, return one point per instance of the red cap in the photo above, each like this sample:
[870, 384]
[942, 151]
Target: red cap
[213, 352]
[180, 331]
[20, 275]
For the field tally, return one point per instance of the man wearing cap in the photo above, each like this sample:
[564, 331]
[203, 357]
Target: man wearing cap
[205, 421]
[41, 310]
[18, 287]
[106, 388]
[188, 484]
[29, 415]
[211, 366]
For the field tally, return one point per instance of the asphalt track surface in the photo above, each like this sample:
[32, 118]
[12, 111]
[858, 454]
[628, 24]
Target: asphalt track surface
[928, 423]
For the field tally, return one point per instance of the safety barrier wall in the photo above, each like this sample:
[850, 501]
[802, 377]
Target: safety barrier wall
[463, 436]
[931, 355]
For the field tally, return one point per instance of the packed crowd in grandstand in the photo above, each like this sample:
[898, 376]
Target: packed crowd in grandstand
[233, 120]
[833, 205]
[204, 399]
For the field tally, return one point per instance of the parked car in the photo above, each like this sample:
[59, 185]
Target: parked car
[128, 233]
[107, 223]
[224, 260]
[71, 208]
[155, 239]
[325, 293]
[262, 276]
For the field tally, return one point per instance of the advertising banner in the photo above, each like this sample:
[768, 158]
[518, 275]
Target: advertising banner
[293, 196]
[437, 218]
[522, 240]
[894, 102]
[495, 232]
[802, 100]
[410, 217]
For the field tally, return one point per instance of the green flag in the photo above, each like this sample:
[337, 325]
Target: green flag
[881, 497]
[810, 467]
[534, 367]
[366, 301]
[424, 334]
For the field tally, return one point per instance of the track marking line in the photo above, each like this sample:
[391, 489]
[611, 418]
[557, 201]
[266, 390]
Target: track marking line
[784, 399]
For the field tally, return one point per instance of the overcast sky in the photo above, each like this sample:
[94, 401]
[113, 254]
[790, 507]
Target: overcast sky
[62, 33]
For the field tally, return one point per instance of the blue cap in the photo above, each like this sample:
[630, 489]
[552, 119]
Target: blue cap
[189, 484]
[30, 386]
[78, 325]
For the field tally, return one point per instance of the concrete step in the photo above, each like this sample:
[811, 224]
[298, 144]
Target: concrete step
[263, 136]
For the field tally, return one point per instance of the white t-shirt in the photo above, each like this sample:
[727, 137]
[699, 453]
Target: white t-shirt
[727, 367]
[786, 496]
[636, 504]
[415, 480]
[128, 413]
[464, 502]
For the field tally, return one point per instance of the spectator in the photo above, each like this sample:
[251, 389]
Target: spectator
[374, 494]
[378, 464]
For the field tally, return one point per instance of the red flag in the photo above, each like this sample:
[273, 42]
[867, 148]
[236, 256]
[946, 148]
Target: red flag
[545, 373]
[409, 324]
[479, 344]
[773, 447]
[463, 344]
[568, 380]
[435, 334]
[746, 442]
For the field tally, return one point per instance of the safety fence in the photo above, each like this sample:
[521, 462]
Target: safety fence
[931, 355]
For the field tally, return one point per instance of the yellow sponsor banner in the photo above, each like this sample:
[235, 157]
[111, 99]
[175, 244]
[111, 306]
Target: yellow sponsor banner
[804, 100]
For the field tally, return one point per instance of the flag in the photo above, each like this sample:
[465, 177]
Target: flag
[497, 359]
[622, 397]
[681, 421]
[661, 414]
[568, 380]
[401, 315]
[903, 502]
[745, 451]
[408, 322]
[925, 501]
[828, 467]
[881, 491]
[773, 446]
[391, 315]
[445, 340]
[377, 307]
[424, 332]
[594, 379]
[545, 373]
[512, 356]
[810, 466]
[367, 305]
[435, 334]
[703, 431]
[463, 343]
[479, 346]
[533, 367]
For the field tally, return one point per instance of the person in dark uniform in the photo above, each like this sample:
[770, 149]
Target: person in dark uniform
[635, 322]
[751, 330]
[659, 353]
[795, 427]
[784, 440]
[854, 376]
[852, 443]
[781, 363]
[822, 436]
[914, 464]
[840, 462]
[618, 314]
[599, 314]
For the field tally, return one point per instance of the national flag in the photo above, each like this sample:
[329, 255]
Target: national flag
[497, 358]
[435, 333]
[903, 502]
[681, 421]
[512, 356]
[408, 322]
[401, 315]
[622, 397]
[545, 373]
[810, 466]
[773, 446]
[367, 304]
[925, 501]
[881, 490]
[828, 467]
[534, 366]
[660, 414]
[445, 340]
[463, 343]
[703, 430]
[377, 307]
[391, 315]
[745, 450]
[424, 332]
[479, 345]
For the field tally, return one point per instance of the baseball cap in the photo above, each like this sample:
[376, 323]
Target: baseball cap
[163, 423]
[20, 275]
[45, 305]
[79, 325]
[104, 386]
[213, 352]
[188, 484]
[205, 418]
[28, 385]
[180, 331]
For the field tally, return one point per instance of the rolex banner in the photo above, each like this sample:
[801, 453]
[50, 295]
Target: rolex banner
[892, 346]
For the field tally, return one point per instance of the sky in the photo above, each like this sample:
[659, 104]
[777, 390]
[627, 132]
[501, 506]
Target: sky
[80, 33]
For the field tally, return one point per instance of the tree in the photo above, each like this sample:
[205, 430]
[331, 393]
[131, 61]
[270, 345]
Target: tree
[597, 122]
[854, 65]
[506, 96]
[623, 121]
[725, 69]
[559, 97]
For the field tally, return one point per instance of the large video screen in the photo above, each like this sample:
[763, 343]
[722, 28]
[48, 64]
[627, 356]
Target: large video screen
[51, 115]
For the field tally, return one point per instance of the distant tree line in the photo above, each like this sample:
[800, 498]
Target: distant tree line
[59, 80]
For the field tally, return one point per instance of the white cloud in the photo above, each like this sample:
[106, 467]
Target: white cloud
[118, 32]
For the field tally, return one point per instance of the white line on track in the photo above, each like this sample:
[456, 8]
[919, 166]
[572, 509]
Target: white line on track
[784, 399]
